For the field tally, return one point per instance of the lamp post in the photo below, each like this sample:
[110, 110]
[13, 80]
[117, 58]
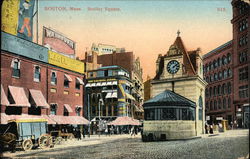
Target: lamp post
[88, 116]
[99, 106]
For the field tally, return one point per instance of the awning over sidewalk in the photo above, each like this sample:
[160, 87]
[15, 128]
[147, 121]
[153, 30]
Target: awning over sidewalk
[109, 95]
[19, 96]
[39, 98]
[124, 120]
[72, 120]
[4, 99]
[6, 118]
[80, 80]
[68, 108]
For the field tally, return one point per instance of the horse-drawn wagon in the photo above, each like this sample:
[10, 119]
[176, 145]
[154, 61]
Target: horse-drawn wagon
[26, 133]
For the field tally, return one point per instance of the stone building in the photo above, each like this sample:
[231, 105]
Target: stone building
[218, 73]
[147, 88]
[181, 71]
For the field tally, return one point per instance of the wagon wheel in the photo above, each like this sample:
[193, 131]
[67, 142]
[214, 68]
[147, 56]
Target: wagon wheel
[27, 144]
[45, 141]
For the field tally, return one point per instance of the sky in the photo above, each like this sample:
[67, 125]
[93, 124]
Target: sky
[146, 27]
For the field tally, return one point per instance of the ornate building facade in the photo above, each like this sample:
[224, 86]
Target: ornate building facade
[181, 71]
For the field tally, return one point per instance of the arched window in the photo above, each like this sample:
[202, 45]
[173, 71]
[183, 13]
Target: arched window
[222, 89]
[215, 76]
[224, 103]
[53, 80]
[200, 108]
[220, 75]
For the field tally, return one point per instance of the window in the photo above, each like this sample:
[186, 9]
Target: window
[77, 84]
[100, 73]
[225, 73]
[219, 90]
[229, 87]
[224, 60]
[229, 102]
[223, 89]
[243, 25]
[220, 75]
[53, 109]
[207, 92]
[215, 76]
[243, 73]
[243, 40]
[229, 57]
[219, 104]
[210, 92]
[243, 56]
[53, 78]
[78, 111]
[67, 79]
[65, 112]
[215, 105]
[15, 64]
[214, 91]
[243, 91]
[110, 72]
[219, 62]
[200, 108]
[224, 103]
[229, 72]
[211, 105]
[214, 63]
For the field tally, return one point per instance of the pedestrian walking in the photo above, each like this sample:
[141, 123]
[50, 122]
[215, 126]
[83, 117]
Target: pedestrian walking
[133, 131]
[206, 128]
[211, 129]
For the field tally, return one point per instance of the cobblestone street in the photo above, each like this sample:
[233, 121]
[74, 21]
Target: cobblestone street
[232, 144]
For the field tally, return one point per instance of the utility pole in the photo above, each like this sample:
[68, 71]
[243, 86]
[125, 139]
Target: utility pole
[88, 116]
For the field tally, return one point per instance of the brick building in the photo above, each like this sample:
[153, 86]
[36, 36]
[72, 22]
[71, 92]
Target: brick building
[241, 64]
[218, 74]
[231, 102]
[35, 88]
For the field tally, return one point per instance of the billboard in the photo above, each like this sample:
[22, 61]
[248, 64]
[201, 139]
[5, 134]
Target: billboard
[58, 42]
[65, 62]
[23, 47]
[17, 18]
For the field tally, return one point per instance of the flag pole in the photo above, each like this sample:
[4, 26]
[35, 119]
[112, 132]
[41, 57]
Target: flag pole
[37, 21]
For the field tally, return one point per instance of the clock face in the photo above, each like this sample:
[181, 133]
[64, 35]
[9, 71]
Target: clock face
[173, 66]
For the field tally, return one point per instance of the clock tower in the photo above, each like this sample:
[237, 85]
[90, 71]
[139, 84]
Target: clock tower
[181, 71]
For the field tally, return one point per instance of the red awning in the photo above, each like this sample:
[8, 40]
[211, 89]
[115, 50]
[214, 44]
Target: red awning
[4, 99]
[19, 96]
[39, 98]
[124, 120]
[72, 120]
[69, 109]
[5, 118]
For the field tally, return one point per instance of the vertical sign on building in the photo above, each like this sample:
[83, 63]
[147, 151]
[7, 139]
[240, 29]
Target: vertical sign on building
[10, 16]
[25, 19]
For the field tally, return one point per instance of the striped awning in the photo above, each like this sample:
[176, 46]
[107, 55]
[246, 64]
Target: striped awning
[104, 83]
[4, 99]
[98, 84]
[114, 95]
[19, 96]
[68, 108]
[80, 80]
[88, 85]
[68, 77]
[38, 98]
[109, 95]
